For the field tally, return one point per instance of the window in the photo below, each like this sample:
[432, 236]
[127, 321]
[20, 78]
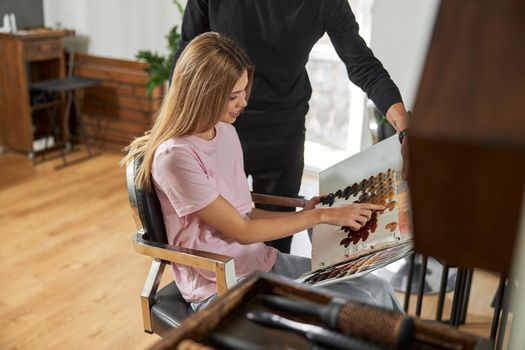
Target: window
[334, 123]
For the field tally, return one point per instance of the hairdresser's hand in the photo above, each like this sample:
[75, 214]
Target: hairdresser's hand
[312, 202]
[398, 116]
[354, 215]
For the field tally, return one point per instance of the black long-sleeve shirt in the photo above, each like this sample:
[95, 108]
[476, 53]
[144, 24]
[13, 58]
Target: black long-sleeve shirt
[278, 36]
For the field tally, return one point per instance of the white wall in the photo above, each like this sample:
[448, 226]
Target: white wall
[400, 35]
[115, 28]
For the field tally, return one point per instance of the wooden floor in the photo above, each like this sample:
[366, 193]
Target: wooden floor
[69, 276]
[480, 313]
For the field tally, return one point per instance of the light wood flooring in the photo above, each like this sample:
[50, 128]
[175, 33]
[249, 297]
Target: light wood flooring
[69, 278]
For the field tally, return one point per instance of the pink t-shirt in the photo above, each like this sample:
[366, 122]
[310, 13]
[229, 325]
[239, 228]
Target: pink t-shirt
[189, 173]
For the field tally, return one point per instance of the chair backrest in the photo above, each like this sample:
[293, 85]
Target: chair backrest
[72, 45]
[146, 206]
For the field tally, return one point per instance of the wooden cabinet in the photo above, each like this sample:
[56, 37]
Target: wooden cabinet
[24, 57]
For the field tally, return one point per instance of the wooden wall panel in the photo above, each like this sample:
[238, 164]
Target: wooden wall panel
[117, 110]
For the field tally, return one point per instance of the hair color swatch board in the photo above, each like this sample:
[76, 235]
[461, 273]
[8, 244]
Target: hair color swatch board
[340, 252]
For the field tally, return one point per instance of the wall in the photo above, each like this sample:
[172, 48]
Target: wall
[400, 35]
[115, 28]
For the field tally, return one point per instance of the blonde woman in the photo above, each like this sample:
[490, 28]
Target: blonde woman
[192, 158]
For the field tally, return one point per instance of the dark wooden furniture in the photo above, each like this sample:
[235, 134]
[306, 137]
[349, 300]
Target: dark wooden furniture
[467, 140]
[24, 57]
[467, 137]
[226, 317]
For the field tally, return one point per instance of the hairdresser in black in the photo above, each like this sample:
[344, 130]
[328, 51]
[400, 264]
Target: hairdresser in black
[278, 35]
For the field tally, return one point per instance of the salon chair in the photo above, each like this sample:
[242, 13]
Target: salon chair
[165, 309]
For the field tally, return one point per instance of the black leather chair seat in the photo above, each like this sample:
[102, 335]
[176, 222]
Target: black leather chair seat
[169, 309]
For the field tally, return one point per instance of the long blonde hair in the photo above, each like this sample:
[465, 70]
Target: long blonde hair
[202, 82]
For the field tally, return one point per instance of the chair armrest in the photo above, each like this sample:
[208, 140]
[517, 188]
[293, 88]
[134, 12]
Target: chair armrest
[222, 265]
[278, 200]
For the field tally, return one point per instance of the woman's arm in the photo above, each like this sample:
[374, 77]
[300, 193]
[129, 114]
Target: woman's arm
[266, 214]
[223, 217]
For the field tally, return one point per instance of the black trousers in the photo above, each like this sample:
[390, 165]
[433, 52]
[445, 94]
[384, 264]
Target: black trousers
[276, 166]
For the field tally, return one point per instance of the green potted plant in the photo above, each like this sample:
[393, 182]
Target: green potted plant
[159, 66]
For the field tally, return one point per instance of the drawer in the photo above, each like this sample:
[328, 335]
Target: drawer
[40, 50]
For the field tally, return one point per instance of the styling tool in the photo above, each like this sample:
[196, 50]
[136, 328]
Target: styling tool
[384, 327]
[313, 333]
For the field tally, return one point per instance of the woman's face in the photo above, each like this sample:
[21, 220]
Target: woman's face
[237, 100]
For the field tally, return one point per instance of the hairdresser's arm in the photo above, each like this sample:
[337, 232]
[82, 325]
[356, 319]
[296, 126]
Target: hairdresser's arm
[222, 216]
[398, 117]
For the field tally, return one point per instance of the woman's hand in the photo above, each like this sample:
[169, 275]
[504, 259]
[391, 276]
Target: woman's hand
[354, 215]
